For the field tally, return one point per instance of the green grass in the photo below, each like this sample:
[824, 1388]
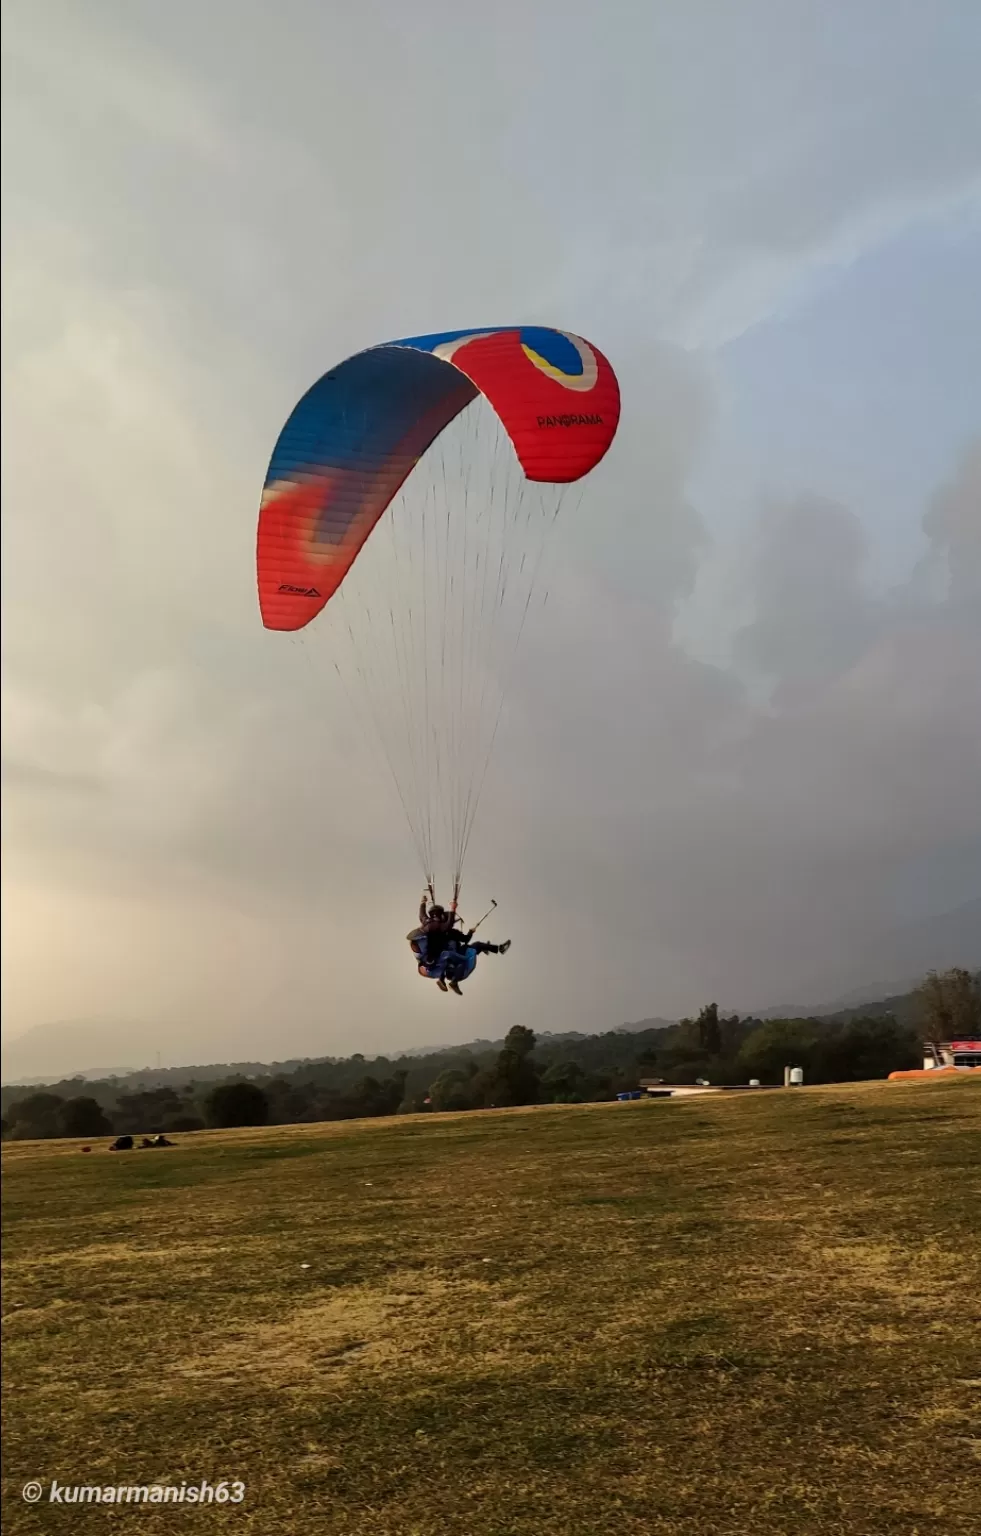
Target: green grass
[741, 1315]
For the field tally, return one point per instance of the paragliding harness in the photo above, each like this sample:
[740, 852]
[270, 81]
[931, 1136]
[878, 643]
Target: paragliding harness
[452, 965]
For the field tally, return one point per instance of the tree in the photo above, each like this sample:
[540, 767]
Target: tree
[563, 1082]
[519, 1040]
[779, 1043]
[452, 1090]
[146, 1111]
[417, 1101]
[517, 1080]
[36, 1117]
[232, 1104]
[513, 1079]
[83, 1116]
[865, 1048]
[370, 1097]
[184, 1123]
[949, 1005]
[709, 1030]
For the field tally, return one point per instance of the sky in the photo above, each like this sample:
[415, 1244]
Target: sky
[744, 740]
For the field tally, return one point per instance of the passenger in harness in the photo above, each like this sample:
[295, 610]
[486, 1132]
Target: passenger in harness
[444, 954]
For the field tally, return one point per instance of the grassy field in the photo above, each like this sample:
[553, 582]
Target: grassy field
[740, 1315]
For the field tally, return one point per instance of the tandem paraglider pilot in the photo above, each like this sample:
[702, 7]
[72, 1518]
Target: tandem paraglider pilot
[444, 953]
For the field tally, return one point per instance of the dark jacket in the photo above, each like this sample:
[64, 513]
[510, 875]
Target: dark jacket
[435, 936]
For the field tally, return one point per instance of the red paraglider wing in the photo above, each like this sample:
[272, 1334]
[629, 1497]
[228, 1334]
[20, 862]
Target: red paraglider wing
[357, 434]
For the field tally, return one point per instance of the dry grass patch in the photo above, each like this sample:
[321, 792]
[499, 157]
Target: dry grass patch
[732, 1316]
[419, 1324]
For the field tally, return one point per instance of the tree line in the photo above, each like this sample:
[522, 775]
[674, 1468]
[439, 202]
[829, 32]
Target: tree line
[572, 1069]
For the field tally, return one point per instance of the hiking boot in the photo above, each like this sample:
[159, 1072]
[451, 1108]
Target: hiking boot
[455, 987]
[441, 984]
[502, 949]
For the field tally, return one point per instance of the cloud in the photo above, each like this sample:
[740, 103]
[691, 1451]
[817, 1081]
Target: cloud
[750, 837]
[202, 215]
[953, 525]
[812, 616]
[94, 67]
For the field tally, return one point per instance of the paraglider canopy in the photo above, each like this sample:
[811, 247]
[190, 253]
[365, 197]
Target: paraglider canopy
[355, 436]
[471, 438]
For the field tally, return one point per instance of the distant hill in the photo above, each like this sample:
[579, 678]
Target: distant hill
[72, 1047]
[904, 1007]
[897, 960]
[862, 1000]
[634, 1029]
